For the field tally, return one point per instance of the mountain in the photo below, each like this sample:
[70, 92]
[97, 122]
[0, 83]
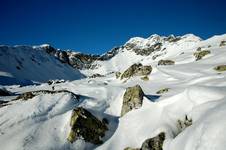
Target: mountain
[25, 65]
[156, 93]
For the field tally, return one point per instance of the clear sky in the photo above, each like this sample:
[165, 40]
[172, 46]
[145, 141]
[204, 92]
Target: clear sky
[95, 26]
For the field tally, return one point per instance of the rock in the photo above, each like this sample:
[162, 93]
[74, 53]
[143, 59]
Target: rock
[136, 70]
[220, 68]
[199, 49]
[96, 75]
[145, 78]
[30, 95]
[86, 126]
[154, 143]
[183, 124]
[200, 54]
[132, 99]
[166, 62]
[118, 74]
[161, 91]
[223, 43]
[4, 92]
[129, 148]
[172, 38]
[25, 96]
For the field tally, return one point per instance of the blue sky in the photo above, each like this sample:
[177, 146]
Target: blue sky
[95, 26]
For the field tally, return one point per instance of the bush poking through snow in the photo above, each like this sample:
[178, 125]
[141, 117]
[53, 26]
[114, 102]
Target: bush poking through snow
[166, 62]
[86, 126]
[200, 54]
[136, 70]
[132, 99]
[183, 124]
[220, 68]
[161, 91]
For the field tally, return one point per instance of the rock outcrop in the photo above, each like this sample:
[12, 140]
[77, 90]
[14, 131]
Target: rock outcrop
[86, 126]
[132, 99]
[223, 43]
[136, 70]
[200, 54]
[161, 91]
[166, 62]
[220, 68]
[154, 143]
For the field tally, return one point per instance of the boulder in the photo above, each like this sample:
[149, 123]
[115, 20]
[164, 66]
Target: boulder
[136, 70]
[132, 99]
[86, 126]
[200, 54]
[223, 43]
[145, 78]
[96, 75]
[220, 68]
[118, 74]
[166, 62]
[154, 143]
[161, 91]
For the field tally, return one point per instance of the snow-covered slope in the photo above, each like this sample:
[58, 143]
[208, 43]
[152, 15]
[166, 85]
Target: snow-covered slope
[24, 64]
[195, 90]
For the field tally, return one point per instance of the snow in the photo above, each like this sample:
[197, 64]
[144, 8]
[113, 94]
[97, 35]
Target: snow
[195, 90]
[25, 64]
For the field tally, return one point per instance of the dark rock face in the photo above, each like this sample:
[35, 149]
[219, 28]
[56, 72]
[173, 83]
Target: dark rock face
[154, 143]
[79, 60]
[166, 62]
[200, 54]
[136, 70]
[132, 99]
[85, 125]
[220, 68]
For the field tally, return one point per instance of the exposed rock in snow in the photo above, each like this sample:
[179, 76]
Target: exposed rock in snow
[200, 54]
[86, 126]
[132, 99]
[136, 70]
[166, 62]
